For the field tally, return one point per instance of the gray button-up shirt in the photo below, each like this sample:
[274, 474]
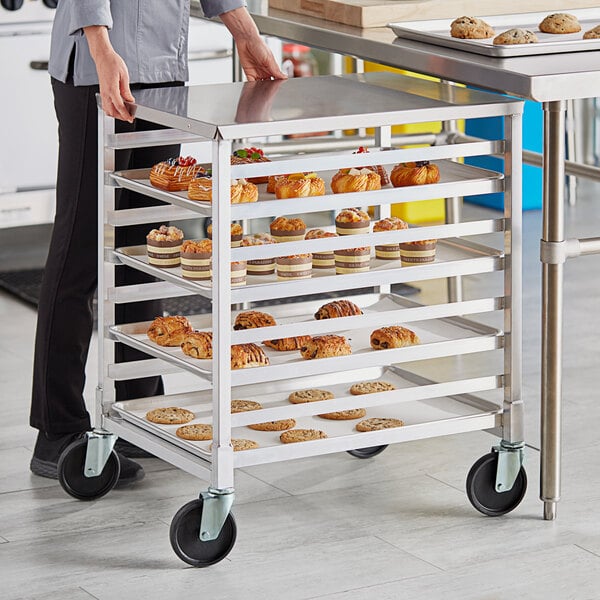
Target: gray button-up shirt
[150, 35]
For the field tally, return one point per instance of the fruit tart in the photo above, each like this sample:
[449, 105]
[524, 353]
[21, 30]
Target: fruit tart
[244, 156]
[174, 174]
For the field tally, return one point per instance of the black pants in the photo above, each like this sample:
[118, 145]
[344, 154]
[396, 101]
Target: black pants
[65, 316]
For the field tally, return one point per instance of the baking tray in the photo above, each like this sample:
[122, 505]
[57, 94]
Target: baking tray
[437, 32]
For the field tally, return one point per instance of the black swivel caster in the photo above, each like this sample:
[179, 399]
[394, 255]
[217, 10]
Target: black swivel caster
[70, 473]
[185, 536]
[369, 452]
[481, 488]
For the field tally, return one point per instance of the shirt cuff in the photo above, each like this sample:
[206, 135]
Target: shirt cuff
[214, 8]
[85, 13]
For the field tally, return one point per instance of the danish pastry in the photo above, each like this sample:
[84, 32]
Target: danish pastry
[242, 191]
[325, 346]
[251, 319]
[287, 344]
[174, 174]
[272, 182]
[471, 28]
[393, 336]
[169, 331]
[299, 185]
[198, 344]
[244, 156]
[415, 173]
[379, 169]
[355, 180]
[244, 356]
[338, 308]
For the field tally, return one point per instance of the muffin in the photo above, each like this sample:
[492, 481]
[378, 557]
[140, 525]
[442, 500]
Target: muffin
[417, 253]
[352, 221]
[196, 259]
[163, 246]
[352, 260]
[297, 266]
[238, 273]
[321, 260]
[299, 185]
[389, 251]
[236, 234]
[288, 230]
[259, 266]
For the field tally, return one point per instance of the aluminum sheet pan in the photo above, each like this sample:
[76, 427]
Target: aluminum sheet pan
[438, 32]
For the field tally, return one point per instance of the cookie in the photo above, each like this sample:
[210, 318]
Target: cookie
[274, 425]
[377, 423]
[592, 34]
[197, 432]
[560, 23]
[171, 415]
[302, 435]
[240, 444]
[238, 406]
[371, 387]
[471, 28]
[312, 395]
[345, 415]
[516, 36]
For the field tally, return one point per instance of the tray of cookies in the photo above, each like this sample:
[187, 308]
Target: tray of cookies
[523, 34]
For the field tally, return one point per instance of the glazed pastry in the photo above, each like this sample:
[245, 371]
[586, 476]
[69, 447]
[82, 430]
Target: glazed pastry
[272, 182]
[174, 174]
[352, 260]
[415, 173]
[516, 36]
[242, 191]
[389, 251]
[169, 331]
[417, 253]
[163, 246]
[259, 266]
[245, 156]
[560, 23]
[299, 185]
[352, 221]
[393, 336]
[244, 356]
[288, 230]
[236, 234]
[251, 319]
[338, 308]
[325, 346]
[471, 28]
[196, 259]
[296, 266]
[321, 260]
[379, 169]
[288, 344]
[198, 344]
[355, 180]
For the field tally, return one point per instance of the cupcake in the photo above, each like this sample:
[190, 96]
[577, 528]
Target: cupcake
[236, 234]
[352, 221]
[389, 251]
[196, 259]
[288, 230]
[352, 260]
[238, 273]
[164, 246]
[417, 253]
[324, 260]
[259, 266]
[297, 266]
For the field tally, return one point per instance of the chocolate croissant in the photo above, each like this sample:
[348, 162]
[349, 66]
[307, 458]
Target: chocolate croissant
[251, 319]
[325, 346]
[198, 344]
[288, 344]
[393, 336]
[244, 356]
[169, 331]
[337, 308]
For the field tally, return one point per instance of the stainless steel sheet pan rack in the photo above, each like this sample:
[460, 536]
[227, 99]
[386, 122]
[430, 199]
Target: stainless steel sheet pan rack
[429, 400]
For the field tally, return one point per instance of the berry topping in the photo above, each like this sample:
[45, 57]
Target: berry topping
[186, 161]
[362, 150]
[421, 163]
[252, 153]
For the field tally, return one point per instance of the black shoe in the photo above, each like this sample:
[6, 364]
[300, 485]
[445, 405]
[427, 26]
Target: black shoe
[125, 448]
[48, 449]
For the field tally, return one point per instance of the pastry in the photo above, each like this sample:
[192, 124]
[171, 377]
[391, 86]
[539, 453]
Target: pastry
[345, 415]
[516, 36]
[371, 387]
[245, 156]
[169, 331]
[592, 34]
[301, 435]
[198, 432]
[393, 336]
[259, 266]
[352, 260]
[352, 221]
[325, 346]
[288, 230]
[299, 185]
[238, 273]
[379, 169]
[251, 319]
[245, 356]
[417, 253]
[415, 173]
[196, 259]
[274, 425]
[296, 266]
[172, 415]
[174, 174]
[560, 23]
[337, 308]
[389, 251]
[313, 395]
[238, 406]
[321, 260]
[240, 444]
[163, 246]
[287, 344]
[236, 234]
[198, 344]
[242, 191]
[378, 423]
[471, 28]
[355, 180]
[272, 182]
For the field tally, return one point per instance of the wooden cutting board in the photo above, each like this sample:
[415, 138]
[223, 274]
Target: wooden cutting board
[378, 13]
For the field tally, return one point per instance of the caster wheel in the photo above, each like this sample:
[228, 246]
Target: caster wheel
[185, 531]
[70, 473]
[367, 452]
[481, 488]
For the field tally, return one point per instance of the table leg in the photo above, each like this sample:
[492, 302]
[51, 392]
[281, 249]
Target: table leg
[552, 306]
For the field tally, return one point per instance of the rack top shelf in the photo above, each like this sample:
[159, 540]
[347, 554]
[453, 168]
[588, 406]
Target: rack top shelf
[233, 110]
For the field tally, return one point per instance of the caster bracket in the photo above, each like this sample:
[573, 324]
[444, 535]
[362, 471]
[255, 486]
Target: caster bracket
[510, 461]
[100, 444]
[216, 507]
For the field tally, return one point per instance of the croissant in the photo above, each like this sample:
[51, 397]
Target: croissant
[355, 180]
[288, 344]
[325, 346]
[393, 336]
[299, 185]
[244, 356]
[198, 344]
[174, 174]
[379, 169]
[169, 331]
[337, 308]
[241, 190]
[253, 318]
[414, 173]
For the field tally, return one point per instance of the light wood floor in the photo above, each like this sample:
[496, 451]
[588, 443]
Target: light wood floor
[333, 527]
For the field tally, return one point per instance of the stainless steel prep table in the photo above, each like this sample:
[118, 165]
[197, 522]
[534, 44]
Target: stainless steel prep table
[552, 82]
